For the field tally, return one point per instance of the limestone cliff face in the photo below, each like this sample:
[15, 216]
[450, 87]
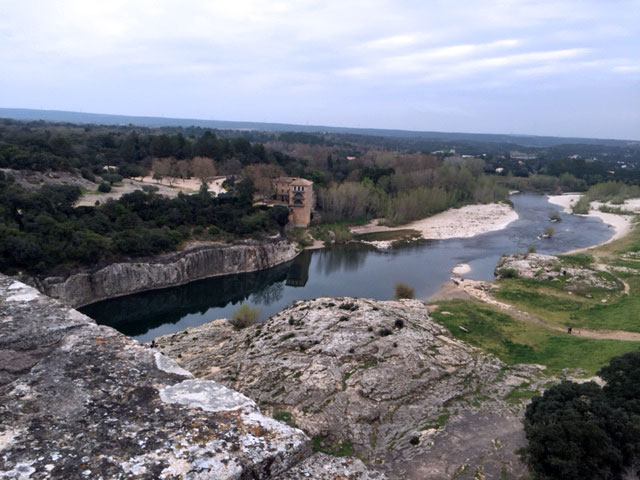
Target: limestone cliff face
[193, 263]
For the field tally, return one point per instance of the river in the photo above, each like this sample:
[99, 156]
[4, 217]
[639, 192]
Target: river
[348, 270]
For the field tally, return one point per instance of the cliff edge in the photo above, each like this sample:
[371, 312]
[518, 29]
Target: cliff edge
[195, 262]
[78, 400]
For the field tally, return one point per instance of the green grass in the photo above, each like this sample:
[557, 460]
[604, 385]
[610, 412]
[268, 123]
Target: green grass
[439, 422]
[621, 313]
[519, 393]
[342, 448]
[553, 305]
[285, 417]
[520, 342]
[577, 260]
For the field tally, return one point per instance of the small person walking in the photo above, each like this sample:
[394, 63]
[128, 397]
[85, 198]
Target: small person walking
[569, 330]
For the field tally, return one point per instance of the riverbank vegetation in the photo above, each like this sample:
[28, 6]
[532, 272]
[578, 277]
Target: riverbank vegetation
[401, 192]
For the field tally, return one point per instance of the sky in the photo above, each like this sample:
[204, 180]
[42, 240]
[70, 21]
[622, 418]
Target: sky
[540, 67]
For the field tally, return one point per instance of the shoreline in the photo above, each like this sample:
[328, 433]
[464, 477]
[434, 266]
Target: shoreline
[464, 222]
[621, 224]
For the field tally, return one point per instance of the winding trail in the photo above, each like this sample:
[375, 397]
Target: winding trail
[460, 288]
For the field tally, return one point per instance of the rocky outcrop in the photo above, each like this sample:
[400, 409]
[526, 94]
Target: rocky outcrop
[195, 262]
[379, 378]
[535, 266]
[78, 400]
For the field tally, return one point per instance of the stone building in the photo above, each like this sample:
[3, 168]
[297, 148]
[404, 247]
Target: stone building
[297, 194]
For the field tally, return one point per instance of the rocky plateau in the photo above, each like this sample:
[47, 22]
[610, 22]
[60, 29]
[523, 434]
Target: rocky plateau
[378, 379]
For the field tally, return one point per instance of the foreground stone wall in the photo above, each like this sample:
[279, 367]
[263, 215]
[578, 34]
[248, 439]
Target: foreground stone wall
[193, 263]
[78, 400]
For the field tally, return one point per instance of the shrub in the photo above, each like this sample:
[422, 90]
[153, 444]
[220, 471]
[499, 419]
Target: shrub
[583, 431]
[555, 217]
[548, 233]
[532, 249]
[582, 206]
[403, 291]
[508, 273]
[104, 188]
[244, 316]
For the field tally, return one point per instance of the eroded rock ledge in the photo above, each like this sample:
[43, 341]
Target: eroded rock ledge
[380, 377]
[78, 400]
[195, 262]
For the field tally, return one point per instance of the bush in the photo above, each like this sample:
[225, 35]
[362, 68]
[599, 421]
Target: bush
[244, 316]
[555, 217]
[582, 206]
[508, 273]
[584, 431]
[104, 188]
[403, 291]
[548, 233]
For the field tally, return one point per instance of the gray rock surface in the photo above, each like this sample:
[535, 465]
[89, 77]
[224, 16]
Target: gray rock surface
[381, 378]
[78, 400]
[535, 266]
[198, 261]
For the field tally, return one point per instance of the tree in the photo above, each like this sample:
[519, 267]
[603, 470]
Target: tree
[280, 215]
[568, 433]
[262, 175]
[204, 168]
[580, 431]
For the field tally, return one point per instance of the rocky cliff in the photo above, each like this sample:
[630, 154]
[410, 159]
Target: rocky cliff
[381, 379]
[195, 262]
[79, 401]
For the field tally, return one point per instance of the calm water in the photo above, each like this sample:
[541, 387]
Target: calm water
[347, 270]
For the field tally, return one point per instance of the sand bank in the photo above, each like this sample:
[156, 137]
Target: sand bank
[621, 224]
[462, 222]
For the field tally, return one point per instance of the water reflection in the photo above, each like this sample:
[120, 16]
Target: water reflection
[298, 274]
[342, 258]
[346, 270]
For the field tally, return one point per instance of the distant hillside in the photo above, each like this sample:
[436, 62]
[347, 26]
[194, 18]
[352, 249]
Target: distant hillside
[105, 119]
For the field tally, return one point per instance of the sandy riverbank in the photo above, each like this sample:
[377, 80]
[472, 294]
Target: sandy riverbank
[620, 223]
[467, 221]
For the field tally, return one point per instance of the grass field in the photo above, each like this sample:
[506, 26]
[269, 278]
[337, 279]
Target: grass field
[517, 342]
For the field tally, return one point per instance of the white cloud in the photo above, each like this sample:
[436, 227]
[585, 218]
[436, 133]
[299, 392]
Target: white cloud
[223, 53]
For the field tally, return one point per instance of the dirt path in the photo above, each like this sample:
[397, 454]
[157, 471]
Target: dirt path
[460, 288]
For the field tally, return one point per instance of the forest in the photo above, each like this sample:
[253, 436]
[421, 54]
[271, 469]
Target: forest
[356, 177]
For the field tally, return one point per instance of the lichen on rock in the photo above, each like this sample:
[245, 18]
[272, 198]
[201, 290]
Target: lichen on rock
[78, 400]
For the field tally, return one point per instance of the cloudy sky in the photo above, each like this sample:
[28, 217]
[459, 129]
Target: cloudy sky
[549, 67]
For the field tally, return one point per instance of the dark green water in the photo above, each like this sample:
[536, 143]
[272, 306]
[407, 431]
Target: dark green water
[347, 270]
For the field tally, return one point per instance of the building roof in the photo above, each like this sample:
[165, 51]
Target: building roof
[294, 181]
